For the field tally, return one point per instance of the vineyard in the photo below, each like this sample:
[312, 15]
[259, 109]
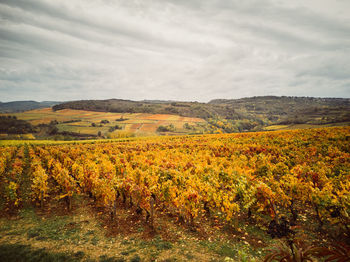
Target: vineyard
[299, 178]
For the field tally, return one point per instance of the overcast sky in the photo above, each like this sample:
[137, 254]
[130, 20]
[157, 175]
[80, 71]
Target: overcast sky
[192, 50]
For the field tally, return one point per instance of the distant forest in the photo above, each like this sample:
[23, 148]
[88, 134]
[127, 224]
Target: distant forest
[12, 125]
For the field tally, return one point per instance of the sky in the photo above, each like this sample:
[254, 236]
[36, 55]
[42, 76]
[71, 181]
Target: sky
[189, 50]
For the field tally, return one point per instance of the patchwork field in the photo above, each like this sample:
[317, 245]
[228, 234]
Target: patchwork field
[89, 122]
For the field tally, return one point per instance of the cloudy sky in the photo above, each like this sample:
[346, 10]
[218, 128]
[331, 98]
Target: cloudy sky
[191, 50]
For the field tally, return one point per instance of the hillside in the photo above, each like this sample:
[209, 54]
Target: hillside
[291, 110]
[115, 117]
[234, 115]
[189, 109]
[18, 106]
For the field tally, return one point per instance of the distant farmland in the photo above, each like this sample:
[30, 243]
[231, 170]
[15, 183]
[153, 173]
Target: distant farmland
[81, 121]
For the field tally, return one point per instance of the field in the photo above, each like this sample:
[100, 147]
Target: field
[302, 126]
[216, 197]
[80, 121]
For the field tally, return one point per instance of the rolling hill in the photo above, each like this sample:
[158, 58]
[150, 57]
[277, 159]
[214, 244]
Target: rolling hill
[150, 117]
[18, 106]
[265, 110]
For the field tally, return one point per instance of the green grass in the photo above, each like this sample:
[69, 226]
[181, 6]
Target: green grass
[80, 236]
[55, 229]
[238, 251]
[161, 244]
[105, 258]
[25, 253]
[135, 258]
[36, 228]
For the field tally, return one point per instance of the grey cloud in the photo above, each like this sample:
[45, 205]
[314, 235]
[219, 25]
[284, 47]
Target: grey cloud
[34, 42]
[167, 49]
[273, 11]
[329, 71]
[135, 28]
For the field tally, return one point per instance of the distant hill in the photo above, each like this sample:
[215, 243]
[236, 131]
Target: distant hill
[18, 106]
[188, 109]
[291, 110]
[265, 109]
[220, 115]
